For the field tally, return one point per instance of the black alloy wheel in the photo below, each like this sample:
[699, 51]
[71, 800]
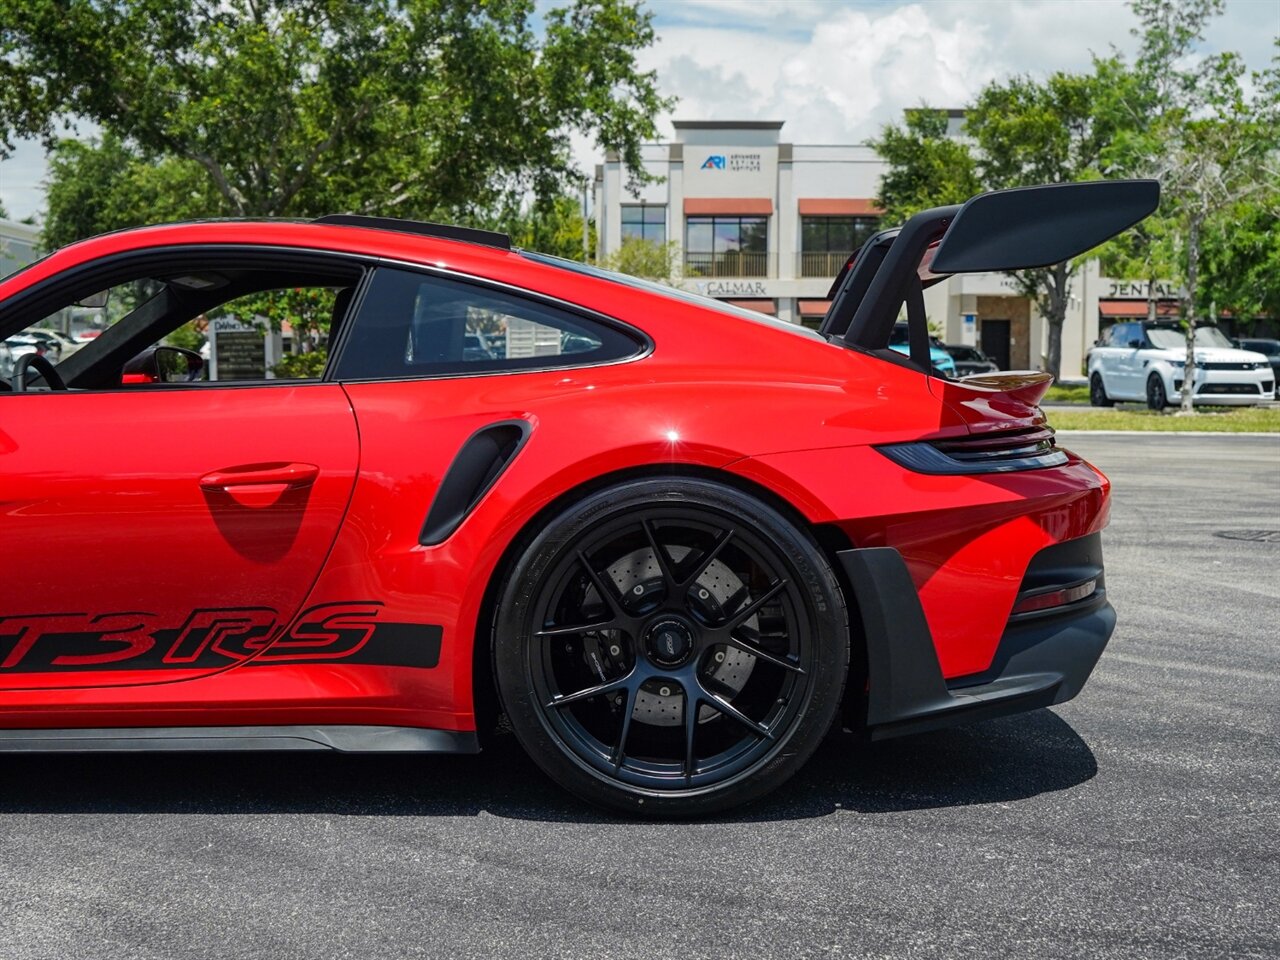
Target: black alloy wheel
[1156, 399]
[671, 647]
[1098, 393]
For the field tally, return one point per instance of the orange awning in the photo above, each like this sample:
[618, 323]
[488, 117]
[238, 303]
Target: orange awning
[1122, 309]
[833, 207]
[729, 206]
[814, 308]
[759, 306]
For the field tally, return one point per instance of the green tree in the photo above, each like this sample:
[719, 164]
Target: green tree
[1189, 121]
[927, 168]
[638, 257]
[1241, 264]
[1018, 132]
[104, 185]
[550, 225]
[415, 108]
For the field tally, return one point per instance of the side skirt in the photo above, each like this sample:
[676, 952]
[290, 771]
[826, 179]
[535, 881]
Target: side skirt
[344, 739]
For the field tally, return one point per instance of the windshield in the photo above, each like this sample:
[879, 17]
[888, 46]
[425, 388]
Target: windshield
[1165, 338]
[674, 293]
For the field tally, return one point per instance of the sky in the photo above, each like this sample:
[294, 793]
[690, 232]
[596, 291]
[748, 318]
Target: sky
[837, 70]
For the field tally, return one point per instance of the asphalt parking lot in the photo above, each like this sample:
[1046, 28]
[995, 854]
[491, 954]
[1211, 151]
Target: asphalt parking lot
[1141, 820]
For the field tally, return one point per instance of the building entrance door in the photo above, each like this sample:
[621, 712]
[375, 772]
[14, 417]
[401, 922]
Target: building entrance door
[995, 341]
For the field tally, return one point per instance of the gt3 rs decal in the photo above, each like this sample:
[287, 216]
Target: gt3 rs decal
[346, 632]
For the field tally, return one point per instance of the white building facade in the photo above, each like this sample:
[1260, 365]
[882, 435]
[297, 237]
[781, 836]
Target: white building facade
[767, 225]
[19, 246]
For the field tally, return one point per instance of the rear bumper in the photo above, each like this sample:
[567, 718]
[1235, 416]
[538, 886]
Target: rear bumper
[1043, 657]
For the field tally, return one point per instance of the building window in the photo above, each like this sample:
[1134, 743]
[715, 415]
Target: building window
[827, 242]
[726, 246]
[645, 222]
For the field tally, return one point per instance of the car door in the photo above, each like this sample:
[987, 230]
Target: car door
[165, 531]
[159, 536]
[1128, 360]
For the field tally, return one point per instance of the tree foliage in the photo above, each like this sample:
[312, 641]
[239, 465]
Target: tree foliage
[413, 108]
[647, 259]
[927, 168]
[1018, 132]
[1185, 119]
[1190, 121]
[551, 225]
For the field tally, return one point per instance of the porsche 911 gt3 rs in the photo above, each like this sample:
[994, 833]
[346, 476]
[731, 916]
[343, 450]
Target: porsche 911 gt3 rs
[673, 541]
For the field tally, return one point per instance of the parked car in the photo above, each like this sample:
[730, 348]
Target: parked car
[646, 550]
[1269, 349]
[969, 360]
[899, 340]
[21, 344]
[57, 346]
[1142, 360]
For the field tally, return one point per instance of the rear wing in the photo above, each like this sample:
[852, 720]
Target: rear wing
[1003, 230]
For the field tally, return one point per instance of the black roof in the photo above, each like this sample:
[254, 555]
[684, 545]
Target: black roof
[444, 231]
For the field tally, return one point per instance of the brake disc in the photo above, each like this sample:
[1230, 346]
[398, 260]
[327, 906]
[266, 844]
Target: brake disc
[637, 575]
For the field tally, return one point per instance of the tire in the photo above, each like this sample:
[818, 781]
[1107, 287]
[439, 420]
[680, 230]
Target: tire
[1098, 392]
[623, 608]
[1156, 397]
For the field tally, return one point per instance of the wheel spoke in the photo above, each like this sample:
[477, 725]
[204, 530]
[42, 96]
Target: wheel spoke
[620, 749]
[598, 690]
[729, 710]
[742, 616]
[692, 703]
[786, 663]
[707, 558]
[608, 592]
[570, 629]
[664, 561]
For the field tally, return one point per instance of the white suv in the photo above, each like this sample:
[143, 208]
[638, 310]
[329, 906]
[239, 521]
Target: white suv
[1145, 361]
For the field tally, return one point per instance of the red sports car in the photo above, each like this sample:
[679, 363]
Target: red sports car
[673, 541]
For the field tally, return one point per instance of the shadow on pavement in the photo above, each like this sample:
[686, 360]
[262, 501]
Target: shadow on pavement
[996, 761]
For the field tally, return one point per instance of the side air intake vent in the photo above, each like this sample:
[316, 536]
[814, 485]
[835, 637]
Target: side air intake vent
[1029, 448]
[474, 470]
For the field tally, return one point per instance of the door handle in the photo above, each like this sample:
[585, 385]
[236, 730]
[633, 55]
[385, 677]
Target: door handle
[261, 474]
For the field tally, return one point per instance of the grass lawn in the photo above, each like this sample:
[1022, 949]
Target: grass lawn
[1219, 420]
[1071, 393]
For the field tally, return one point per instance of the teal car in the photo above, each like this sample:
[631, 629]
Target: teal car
[939, 358]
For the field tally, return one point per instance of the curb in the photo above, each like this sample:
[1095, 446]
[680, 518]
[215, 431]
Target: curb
[1172, 433]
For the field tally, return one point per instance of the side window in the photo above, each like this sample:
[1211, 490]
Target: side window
[232, 321]
[417, 325]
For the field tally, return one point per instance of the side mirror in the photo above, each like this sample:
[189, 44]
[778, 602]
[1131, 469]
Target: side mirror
[163, 365]
[1135, 344]
[176, 365]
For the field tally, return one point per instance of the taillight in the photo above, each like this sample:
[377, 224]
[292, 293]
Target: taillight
[1054, 596]
[1024, 448]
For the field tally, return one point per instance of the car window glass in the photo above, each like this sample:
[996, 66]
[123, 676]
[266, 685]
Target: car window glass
[273, 334]
[69, 329]
[1211, 337]
[1164, 338]
[238, 324]
[413, 324]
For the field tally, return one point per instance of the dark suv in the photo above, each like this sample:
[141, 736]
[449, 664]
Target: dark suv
[1269, 349]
